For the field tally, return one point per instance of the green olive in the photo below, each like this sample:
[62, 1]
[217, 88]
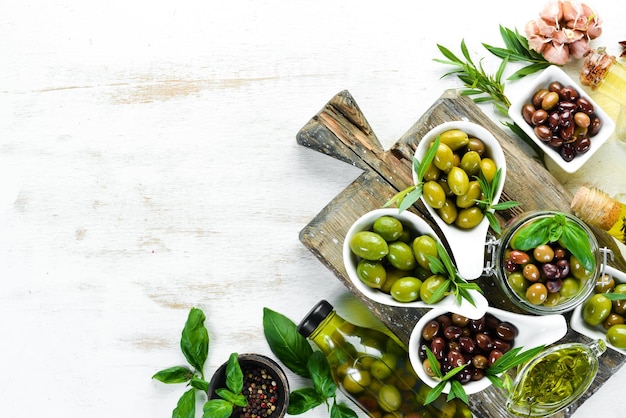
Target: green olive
[448, 212]
[488, 168]
[604, 284]
[389, 398]
[429, 288]
[458, 181]
[577, 269]
[596, 309]
[406, 289]
[454, 138]
[372, 273]
[470, 163]
[619, 306]
[388, 227]
[393, 274]
[422, 273]
[424, 246]
[469, 198]
[369, 245]
[616, 335]
[537, 293]
[612, 319]
[383, 367]
[443, 182]
[517, 282]
[477, 145]
[434, 194]
[432, 173]
[356, 380]
[444, 158]
[401, 255]
[570, 287]
[469, 217]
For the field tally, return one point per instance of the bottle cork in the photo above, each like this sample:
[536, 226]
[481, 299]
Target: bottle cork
[596, 208]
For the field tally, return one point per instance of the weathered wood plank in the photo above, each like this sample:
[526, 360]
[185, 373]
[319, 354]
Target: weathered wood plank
[341, 130]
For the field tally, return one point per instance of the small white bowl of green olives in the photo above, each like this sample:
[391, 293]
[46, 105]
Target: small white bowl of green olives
[599, 317]
[386, 257]
[561, 118]
[466, 153]
[477, 343]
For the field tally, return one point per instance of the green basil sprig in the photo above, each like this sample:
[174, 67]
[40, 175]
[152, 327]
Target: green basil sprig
[295, 352]
[556, 228]
[495, 373]
[194, 344]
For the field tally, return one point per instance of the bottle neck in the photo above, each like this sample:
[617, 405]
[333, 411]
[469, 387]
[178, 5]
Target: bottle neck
[322, 336]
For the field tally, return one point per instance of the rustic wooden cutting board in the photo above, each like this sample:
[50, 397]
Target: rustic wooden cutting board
[341, 131]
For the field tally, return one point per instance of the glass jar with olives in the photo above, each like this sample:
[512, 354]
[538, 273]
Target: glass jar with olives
[546, 261]
[372, 369]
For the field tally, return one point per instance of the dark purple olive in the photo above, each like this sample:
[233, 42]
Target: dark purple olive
[568, 94]
[477, 374]
[430, 330]
[494, 355]
[506, 331]
[455, 358]
[551, 271]
[582, 145]
[452, 332]
[563, 265]
[567, 153]
[483, 341]
[500, 345]
[584, 105]
[595, 126]
[467, 345]
[554, 286]
[463, 376]
[477, 325]
[556, 142]
[543, 133]
[438, 347]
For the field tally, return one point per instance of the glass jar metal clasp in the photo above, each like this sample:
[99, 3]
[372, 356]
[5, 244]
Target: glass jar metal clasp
[607, 254]
[490, 254]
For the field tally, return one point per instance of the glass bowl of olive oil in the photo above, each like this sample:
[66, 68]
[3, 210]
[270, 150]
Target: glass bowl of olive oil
[554, 379]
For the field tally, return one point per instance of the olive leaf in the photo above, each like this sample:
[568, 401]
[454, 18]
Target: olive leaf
[194, 341]
[455, 284]
[407, 197]
[614, 296]
[486, 205]
[456, 391]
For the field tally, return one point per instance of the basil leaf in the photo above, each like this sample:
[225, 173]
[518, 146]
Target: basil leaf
[186, 407]
[339, 410]
[286, 342]
[234, 375]
[217, 408]
[532, 235]
[575, 239]
[194, 341]
[199, 384]
[176, 374]
[234, 398]
[302, 400]
[320, 374]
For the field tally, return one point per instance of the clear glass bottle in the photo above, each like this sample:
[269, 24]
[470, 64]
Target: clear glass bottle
[604, 74]
[372, 369]
[554, 379]
[597, 208]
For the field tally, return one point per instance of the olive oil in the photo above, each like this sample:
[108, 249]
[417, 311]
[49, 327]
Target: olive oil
[604, 74]
[555, 378]
[373, 369]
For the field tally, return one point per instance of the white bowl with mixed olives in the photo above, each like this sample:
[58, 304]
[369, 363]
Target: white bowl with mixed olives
[561, 118]
[387, 256]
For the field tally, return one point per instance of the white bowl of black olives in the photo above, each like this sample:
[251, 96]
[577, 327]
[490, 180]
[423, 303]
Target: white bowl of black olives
[386, 257]
[476, 344]
[561, 118]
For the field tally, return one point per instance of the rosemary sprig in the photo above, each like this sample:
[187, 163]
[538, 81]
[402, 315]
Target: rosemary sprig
[495, 373]
[455, 284]
[484, 87]
[407, 197]
[517, 50]
[488, 189]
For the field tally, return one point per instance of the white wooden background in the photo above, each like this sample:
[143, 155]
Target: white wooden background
[148, 164]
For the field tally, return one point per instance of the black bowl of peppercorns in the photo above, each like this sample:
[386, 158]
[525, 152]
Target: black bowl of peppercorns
[265, 387]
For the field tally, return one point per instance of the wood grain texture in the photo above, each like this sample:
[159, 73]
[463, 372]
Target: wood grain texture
[342, 131]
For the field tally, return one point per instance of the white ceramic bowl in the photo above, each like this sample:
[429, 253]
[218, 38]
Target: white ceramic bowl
[467, 245]
[597, 333]
[543, 80]
[416, 225]
[533, 331]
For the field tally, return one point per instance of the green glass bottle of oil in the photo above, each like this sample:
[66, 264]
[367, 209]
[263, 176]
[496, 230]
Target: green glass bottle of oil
[372, 369]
